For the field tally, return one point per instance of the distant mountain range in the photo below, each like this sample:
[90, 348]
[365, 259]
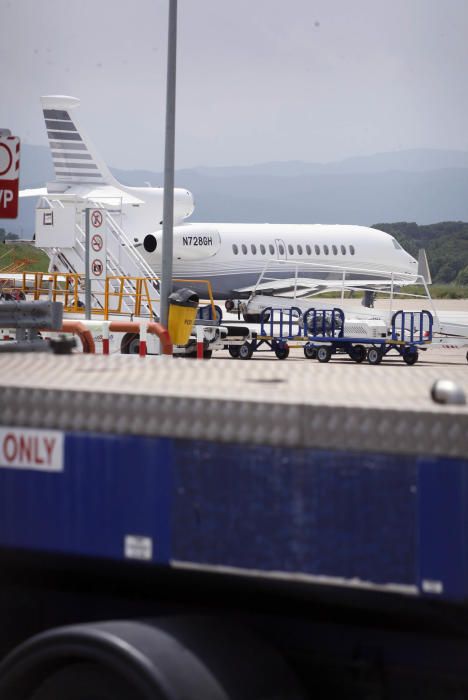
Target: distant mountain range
[424, 186]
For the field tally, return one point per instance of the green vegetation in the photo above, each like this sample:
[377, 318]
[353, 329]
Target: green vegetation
[446, 246]
[440, 291]
[22, 257]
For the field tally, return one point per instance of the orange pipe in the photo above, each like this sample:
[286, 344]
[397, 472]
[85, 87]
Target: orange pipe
[82, 332]
[152, 327]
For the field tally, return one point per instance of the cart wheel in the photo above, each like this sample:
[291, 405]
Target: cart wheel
[358, 353]
[282, 351]
[467, 356]
[245, 351]
[310, 351]
[374, 356]
[324, 353]
[410, 356]
[234, 350]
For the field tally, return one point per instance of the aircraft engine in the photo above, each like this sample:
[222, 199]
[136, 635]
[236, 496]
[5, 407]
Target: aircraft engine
[191, 242]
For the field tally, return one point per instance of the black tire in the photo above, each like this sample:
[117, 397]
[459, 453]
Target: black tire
[324, 353]
[245, 351]
[374, 356]
[234, 350]
[310, 351]
[130, 344]
[282, 351]
[358, 353]
[85, 681]
[410, 356]
[207, 354]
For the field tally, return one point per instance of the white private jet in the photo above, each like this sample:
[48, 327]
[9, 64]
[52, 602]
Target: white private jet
[230, 256]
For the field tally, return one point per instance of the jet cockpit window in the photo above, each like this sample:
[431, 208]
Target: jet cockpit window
[290, 249]
[317, 249]
[396, 244]
[254, 249]
[308, 250]
[325, 249]
[351, 249]
[335, 250]
[271, 248]
[235, 249]
[343, 250]
[262, 249]
[299, 249]
[244, 249]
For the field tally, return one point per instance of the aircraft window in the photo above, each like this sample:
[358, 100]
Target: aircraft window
[343, 250]
[317, 249]
[308, 250]
[244, 249]
[335, 250]
[351, 249]
[291, 249]
[396, 244]
[325, 249]
[262, 249]
[235, 249]
[281, 249]
[254, 249]
[271, 248]
[299, 249]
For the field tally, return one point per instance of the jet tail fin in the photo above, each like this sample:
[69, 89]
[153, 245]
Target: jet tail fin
[75, 158]
[423, 266]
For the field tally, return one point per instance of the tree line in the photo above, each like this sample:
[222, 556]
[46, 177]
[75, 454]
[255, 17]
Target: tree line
[446, 245]
[4, 236]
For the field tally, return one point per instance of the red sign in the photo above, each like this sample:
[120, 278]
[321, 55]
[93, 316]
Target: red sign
[96, 219]
[97, 242]
[9, 176]
[97, 267]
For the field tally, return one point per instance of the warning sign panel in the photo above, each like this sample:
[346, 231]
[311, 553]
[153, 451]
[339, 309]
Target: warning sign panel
[9, 176]
[96, 218]
[97, 268]
[97, 244]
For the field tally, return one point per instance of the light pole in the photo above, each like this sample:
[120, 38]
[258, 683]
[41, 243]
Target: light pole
[168, 204]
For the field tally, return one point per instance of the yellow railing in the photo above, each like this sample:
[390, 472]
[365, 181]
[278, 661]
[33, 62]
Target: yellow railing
[68, 287]
[138, 290]
[57, 286]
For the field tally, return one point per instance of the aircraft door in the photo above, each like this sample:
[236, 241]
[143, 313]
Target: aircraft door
[280, 249]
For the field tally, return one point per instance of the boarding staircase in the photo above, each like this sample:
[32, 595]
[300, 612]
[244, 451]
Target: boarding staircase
[123, 261]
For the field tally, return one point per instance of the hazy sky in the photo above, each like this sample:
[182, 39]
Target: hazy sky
[258, 80]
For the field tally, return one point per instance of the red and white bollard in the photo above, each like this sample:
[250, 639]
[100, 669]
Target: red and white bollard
[105, 338]
[199, 342]
[143, 338]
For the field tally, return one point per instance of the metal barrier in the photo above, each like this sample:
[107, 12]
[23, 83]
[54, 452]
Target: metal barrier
[275, 321]
[324, 322]
[409, 326]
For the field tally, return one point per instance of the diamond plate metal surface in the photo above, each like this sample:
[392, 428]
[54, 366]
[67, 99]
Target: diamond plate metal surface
[301, 404]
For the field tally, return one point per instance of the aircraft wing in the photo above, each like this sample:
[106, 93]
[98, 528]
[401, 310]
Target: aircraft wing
[305, 286]
[100, 195]
[34, 192]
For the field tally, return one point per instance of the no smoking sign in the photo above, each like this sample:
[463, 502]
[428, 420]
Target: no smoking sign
[97, 235]
[97, 242]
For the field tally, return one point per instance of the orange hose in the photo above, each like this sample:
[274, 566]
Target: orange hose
[82, 332]
[153, 327]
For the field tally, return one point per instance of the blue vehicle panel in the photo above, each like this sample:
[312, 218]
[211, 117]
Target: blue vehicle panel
[377, 518]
